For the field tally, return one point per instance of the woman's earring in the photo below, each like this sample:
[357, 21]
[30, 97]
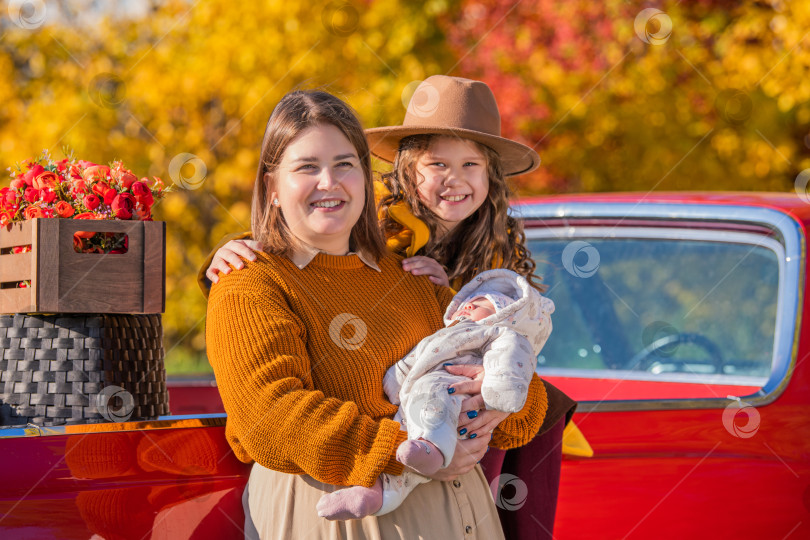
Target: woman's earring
[275, 202]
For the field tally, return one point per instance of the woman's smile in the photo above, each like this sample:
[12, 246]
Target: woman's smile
[328, 205]
[319, 186]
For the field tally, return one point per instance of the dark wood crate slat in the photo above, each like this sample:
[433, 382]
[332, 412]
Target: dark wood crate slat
[154, 267]
[46, 253]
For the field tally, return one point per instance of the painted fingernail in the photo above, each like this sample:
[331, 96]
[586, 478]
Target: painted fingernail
[472, 414]
[462, 431]
[451, 390]
[473, 436]
[447, 364]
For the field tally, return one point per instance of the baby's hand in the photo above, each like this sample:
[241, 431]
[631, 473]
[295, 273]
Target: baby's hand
[425, 266]
[230, 253]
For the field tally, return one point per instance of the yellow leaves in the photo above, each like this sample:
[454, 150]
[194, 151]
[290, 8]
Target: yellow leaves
[202, 78]
[726, 142]
[785, 102]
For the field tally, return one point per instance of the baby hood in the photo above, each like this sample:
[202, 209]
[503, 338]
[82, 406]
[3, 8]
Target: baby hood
[529, 314]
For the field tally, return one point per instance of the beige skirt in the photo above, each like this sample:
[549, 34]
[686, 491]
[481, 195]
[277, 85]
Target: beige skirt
[282, 506]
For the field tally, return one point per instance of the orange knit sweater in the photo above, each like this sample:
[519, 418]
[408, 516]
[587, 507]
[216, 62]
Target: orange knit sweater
[299, 357]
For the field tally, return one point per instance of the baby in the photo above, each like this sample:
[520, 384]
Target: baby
[497, 320]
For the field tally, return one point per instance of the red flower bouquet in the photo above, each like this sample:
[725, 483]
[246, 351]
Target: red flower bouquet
[78, 189]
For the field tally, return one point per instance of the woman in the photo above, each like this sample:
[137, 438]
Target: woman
[455, 149]
[299, 346]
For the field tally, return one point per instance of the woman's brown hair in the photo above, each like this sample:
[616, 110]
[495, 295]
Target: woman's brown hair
[489, 238]
[295, 113]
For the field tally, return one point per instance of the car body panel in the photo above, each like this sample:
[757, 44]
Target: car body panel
[679, 468]
[164, 479]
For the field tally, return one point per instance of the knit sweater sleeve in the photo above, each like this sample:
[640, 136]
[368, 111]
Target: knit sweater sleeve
[256, 345]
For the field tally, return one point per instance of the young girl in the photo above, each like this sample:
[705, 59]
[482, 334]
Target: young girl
[445, 207]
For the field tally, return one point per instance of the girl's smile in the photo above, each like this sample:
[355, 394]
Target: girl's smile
[453, 180]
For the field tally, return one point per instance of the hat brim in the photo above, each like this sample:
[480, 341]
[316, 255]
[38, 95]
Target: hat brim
[517, 158]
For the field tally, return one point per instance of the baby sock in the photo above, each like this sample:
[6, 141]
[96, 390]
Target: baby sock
[420, 455]
[351, 503]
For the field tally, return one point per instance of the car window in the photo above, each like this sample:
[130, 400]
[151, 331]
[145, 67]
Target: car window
[691, 306]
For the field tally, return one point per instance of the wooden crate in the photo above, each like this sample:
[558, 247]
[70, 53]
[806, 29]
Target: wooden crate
[63, 281]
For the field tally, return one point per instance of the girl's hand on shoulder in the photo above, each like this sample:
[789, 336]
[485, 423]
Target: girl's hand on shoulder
[468, 453]
[232, 254]
[475, 420]
[425, 266]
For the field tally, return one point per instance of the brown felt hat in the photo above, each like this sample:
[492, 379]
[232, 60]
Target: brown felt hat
[443, 105]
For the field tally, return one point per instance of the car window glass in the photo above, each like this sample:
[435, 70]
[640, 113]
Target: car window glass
[668, 309]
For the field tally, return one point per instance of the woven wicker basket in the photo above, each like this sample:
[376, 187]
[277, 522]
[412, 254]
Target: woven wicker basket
[54, 369]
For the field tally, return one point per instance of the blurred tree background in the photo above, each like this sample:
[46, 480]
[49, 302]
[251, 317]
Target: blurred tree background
[615, 95]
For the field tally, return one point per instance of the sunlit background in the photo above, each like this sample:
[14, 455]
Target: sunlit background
[615, 95]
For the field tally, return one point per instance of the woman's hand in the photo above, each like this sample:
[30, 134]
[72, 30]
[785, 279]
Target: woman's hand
[232, 253]
[425, 266]
[474, 420]
[468, 453]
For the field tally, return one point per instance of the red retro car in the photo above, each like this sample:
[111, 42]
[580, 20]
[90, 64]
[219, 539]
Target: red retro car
[679, 328]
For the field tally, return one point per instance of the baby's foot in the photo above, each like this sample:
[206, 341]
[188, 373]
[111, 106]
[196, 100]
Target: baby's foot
[351, 503]
[420, 455]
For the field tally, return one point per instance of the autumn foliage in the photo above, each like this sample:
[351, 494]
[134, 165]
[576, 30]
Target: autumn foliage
[183, 90]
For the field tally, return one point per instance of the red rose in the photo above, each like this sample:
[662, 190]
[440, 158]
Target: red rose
[96, 172]
[64, 210]
[5, 218]
[105, 192]
[31, 194]
[87, 215]
[33, 212]
[142, 193]
[62, 165]
[123, 205]
[100, 188]
[18, 183]
[48, 195]
[127, 179]
[91, 202]
[143, 213]
[9, 196]
[32, 173]
[79, 187]
[45, 180]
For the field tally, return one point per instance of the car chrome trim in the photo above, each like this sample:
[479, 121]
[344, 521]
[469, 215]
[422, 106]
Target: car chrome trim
[788, 231]
[163, 422]
[642, 376]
